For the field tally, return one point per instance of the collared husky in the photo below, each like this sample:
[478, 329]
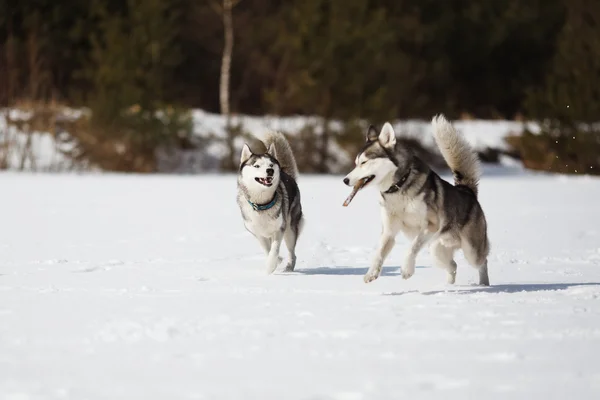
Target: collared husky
[426, 208]
[269, 198]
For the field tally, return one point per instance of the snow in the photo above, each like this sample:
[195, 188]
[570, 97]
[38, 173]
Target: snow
[481, 134]
[49, 154]
[148, 287]
[35, 151]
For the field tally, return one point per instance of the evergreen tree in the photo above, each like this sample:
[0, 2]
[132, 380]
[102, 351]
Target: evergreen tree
[332, 55]
[133, 56]
[568, 106]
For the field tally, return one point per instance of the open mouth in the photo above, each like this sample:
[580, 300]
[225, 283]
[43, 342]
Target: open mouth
[268, 181]
[359, 185]
[365, 181]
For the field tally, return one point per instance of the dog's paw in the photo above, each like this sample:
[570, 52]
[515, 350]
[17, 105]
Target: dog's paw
[407, 272]
[271, 269]
[451, 279]
[289, 268]
[408, 269]
[290, 265]
[370, 276]
[271, 266]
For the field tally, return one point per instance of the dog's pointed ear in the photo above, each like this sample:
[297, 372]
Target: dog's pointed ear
[272, 151]
[246, 154]
[387, 136]
[372, 134]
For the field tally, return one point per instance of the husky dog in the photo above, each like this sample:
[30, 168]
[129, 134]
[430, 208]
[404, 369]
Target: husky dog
[426, 208]
[269, 198]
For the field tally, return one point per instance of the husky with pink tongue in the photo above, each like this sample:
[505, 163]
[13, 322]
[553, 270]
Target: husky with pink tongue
[269, 198]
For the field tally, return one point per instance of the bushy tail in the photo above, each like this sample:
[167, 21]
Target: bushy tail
[460, 157]
[283, 152]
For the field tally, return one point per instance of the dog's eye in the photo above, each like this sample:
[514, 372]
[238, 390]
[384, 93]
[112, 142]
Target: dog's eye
[256, 166]
[363, 163]
[270, 165]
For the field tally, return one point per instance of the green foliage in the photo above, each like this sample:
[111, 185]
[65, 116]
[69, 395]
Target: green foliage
[568, 105]
[490, 49]
[324, 44]
[336, 58]
[339, 59]
[132, 57]
[571, 93]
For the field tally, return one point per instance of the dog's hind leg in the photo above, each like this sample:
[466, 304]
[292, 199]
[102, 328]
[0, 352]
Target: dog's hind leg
[477, 257]
[484, 278]
[443, 257]
[291, 237]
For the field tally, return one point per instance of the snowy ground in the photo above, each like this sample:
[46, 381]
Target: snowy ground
[48, 155]
[129, 287]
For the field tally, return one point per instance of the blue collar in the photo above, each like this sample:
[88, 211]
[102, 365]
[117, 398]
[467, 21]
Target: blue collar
[263, 207]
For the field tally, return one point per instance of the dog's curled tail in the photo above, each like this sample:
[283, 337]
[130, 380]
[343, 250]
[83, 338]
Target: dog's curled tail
[283, 152]
[458, 154]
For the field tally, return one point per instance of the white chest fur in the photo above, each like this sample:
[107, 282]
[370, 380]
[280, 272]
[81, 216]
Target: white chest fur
[261, 223]
[408, 214]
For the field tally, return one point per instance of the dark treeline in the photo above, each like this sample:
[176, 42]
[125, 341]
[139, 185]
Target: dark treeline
[337, 58]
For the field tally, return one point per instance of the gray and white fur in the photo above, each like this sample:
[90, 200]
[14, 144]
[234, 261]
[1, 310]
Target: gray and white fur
[426, 208]
[269, 198]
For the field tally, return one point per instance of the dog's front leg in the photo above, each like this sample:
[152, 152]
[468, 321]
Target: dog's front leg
[386, 244]
[265, 243]
[273, 257]
[408, 269]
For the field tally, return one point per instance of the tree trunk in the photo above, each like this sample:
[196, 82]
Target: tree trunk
[324, 143]
[11, 77]
[226, 60]
[226, 12]
[324, 147]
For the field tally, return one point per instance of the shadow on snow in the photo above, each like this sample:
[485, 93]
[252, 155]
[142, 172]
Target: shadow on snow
[349, 271]
[505, 288]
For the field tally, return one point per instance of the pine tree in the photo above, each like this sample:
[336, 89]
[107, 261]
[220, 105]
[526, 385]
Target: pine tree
[572, 90]
[333, 55]
[568, 107]
[133, 56]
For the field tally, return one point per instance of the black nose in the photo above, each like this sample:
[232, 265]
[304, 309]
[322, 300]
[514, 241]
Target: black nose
[270, 171]
[346, 181]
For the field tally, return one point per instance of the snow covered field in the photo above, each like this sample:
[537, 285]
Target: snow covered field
[46, 154]
[131, 287]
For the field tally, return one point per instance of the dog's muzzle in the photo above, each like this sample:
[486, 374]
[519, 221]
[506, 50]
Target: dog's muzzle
[268, 181]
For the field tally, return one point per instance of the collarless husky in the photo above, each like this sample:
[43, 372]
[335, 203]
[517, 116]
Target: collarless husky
[269, 198]
[426, 208]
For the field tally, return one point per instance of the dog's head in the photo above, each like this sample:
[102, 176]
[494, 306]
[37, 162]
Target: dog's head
[259, 171]
[376, 162]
